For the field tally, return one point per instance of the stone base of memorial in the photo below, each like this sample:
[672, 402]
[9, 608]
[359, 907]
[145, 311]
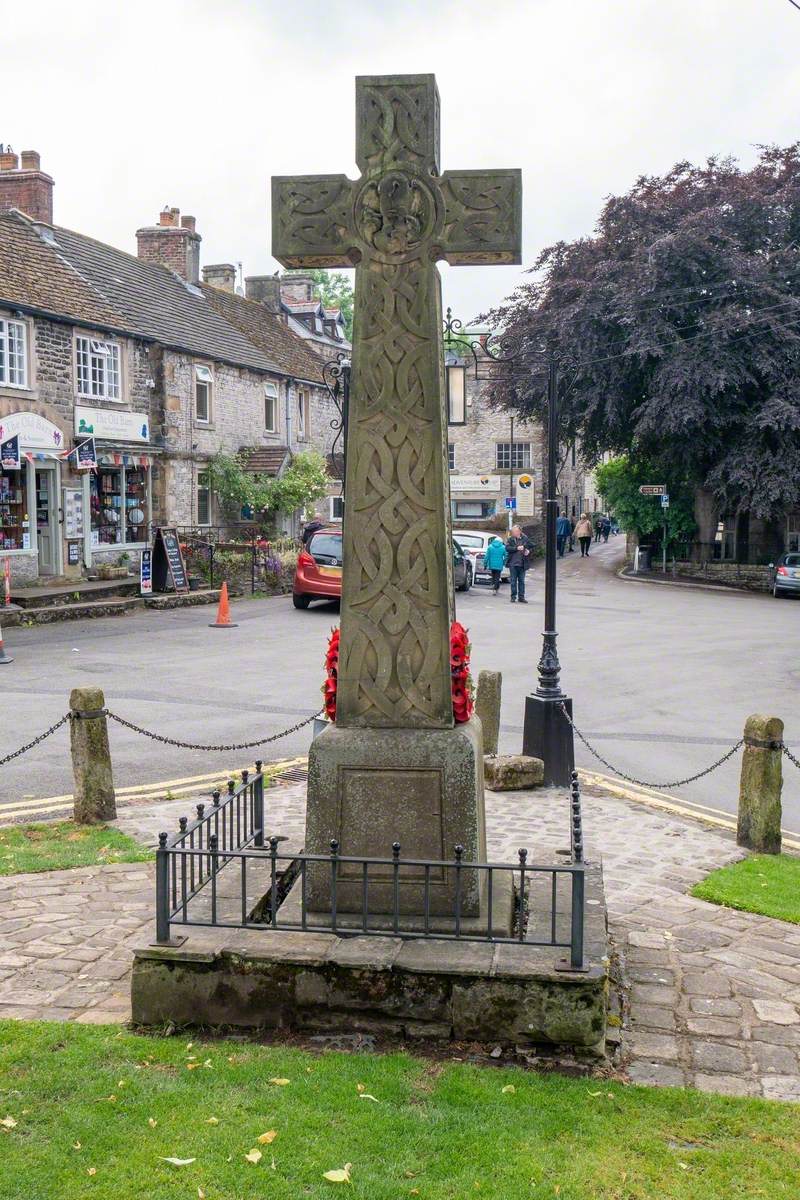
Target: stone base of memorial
[514, 994]
[371, 788]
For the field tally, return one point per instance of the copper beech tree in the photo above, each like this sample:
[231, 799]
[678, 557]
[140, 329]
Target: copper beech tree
[678, 327]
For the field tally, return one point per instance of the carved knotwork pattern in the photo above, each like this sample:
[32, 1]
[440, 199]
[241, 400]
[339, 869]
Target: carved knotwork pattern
[400, 123]
[394, 624]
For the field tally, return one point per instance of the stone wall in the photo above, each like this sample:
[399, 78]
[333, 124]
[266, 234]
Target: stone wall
[741, 575]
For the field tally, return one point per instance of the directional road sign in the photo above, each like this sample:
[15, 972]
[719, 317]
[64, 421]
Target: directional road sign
[653, 489]
[511, 502]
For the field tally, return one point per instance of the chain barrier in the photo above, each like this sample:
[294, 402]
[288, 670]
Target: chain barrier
[29, 746]
[168, 741]
[640, 782]
[789, 755]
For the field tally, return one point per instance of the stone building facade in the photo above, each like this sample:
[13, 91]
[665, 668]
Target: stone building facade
[494, 455]
[135, 359]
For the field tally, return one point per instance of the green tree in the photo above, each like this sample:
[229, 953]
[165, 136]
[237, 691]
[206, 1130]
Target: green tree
[618, 482]
[677, 323]
[336, 291]
[303, 482]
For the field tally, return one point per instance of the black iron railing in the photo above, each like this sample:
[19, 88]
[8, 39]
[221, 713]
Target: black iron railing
[544, 906]
[188, 860]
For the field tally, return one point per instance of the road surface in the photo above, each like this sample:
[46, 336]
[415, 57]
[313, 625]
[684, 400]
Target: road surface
[662, 679]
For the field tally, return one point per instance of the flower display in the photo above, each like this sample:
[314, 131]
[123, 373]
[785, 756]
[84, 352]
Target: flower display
[331, 675]
[463, 697]
[462, 689]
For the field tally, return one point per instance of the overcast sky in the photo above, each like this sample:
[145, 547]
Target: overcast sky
[196, 104]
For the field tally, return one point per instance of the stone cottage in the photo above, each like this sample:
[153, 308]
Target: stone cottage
[140, 356]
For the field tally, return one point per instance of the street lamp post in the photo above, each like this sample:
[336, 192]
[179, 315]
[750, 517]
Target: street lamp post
[547, 734]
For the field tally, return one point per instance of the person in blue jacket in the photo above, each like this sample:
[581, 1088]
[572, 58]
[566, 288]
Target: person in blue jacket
[494, 560]
[563, 530]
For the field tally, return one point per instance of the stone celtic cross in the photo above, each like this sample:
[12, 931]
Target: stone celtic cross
[392, 225]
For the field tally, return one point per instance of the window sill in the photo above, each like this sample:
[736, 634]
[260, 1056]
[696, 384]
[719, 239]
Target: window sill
[15, 388]
[99, 401]
[19, 553]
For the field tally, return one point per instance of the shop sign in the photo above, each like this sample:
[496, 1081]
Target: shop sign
[34, 432]
[9, 454]
[475, 483]
[74, 553]
[86, 455]
[146, 573]
[525, 496]
[112, 423]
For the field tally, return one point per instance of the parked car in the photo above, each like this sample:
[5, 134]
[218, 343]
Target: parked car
[785, 575]
[475, 542]
[319, 569]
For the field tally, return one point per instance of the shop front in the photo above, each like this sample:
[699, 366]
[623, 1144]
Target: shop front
[30, 484]
[474, 497]
[116, 495]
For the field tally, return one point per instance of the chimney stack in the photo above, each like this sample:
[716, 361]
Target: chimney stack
[266, 289]
[27, 187]
[221, 275]
[173, 243]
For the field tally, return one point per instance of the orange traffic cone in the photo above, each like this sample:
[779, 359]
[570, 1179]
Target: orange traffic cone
[223, 620]
[4, 658]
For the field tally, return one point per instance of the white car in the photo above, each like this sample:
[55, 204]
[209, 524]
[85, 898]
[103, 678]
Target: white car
[474, 543]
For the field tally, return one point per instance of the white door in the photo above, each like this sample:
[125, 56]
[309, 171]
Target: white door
[47, 520]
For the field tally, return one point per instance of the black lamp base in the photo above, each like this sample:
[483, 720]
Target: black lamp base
[548, 735]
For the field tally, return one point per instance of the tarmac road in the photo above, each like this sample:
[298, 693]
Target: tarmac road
[661, 677]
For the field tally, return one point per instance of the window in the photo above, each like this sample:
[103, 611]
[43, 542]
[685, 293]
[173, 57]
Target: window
[203, 498]
[473, 508]
[302, 415]
[793, 531]
[451, 455]
[98, 369]
[202, 394]
[271, 407]
[118, 505]
[513, 456]
[13, 354]
[337, 508]
[15, 530]
[456, 394]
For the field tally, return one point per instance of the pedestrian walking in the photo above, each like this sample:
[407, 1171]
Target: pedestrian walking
[563, 530]
[583, 532]
[494, 560]
[598, 528]
[518, 549]
[605, 528]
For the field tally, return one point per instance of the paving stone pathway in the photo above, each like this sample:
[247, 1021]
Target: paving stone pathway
[712, 996]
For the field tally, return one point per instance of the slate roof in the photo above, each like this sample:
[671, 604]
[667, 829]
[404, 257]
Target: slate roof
[267, 331]
[264, 460]
[70, 275]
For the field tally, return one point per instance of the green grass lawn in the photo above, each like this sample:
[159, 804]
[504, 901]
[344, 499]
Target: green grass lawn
[63, 844]
[98, 1110]
[768, 884]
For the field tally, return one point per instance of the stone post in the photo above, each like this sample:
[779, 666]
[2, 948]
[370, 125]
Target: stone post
[91, 757]
[759, 823]
[487, 706]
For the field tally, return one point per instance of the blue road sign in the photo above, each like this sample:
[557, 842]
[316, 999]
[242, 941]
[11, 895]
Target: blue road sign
[511, 502]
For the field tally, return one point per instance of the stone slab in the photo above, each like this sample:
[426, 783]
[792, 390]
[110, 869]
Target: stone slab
[512, 772]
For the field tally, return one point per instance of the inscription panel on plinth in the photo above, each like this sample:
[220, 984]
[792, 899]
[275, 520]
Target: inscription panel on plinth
[421, 824]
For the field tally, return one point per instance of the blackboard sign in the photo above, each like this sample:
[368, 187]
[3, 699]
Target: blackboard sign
[168, 561]
[73, 553]
[146, 572]
[86, 455]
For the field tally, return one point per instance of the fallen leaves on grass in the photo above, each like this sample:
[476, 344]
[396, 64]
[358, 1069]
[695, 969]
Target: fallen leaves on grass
[152, 1122]
[179, 1162]
[279, 1082]
[212, 1120]
[8, 1123]
[267, 1137]
[341, 1175]
[76, 1145]
[254, 1156]
[509, 1089]
[91, 1170]
[366, 1096]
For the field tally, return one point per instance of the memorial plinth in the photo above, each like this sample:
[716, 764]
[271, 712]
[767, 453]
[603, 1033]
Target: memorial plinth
[396, 768]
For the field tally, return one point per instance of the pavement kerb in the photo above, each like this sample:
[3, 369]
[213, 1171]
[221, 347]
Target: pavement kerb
[672, 804]
[689, 585]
